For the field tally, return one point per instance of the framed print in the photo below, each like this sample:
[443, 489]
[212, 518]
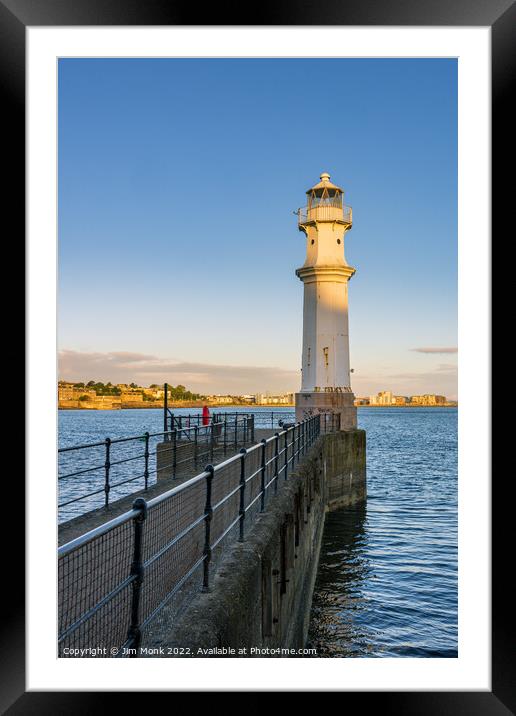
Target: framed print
[210, 501]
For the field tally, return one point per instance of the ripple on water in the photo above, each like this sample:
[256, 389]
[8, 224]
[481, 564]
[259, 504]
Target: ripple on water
[387, 578]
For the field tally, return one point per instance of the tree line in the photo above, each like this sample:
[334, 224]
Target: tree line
[178, 392]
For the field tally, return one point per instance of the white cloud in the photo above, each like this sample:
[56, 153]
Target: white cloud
[435, 350]
[126, 367]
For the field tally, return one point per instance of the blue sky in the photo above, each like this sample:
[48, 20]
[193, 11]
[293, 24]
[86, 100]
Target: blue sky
[177, 241]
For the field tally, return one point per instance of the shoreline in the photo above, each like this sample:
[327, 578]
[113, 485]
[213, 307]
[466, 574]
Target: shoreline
[246, 405]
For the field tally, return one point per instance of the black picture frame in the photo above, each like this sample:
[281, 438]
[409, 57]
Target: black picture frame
[15, 17]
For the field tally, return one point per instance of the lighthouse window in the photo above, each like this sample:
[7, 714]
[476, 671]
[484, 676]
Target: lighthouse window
[338, 241]
[313, 242]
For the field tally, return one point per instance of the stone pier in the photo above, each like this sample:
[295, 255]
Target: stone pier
[261, 592]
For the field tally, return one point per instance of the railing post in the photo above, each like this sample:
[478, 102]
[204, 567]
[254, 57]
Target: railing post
[134, 634]
[286, 454]
[208, 513]
[174, 452]
[196, 440]
[252, 428]
[276, 456]
[262, 499]
[146, 454]
[212, 441]
[225, 433]
[236, 430]
[107, 466]
[165, 406]
[241, 511]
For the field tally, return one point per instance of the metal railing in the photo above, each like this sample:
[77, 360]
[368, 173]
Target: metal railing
[261, 419]
[325, 213]
[179, 422]
[104, 471]
[116, 579]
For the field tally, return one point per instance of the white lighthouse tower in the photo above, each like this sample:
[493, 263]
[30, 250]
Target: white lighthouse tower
[326, 385]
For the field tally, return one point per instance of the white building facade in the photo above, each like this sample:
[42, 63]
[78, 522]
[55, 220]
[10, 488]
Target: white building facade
[326, 384]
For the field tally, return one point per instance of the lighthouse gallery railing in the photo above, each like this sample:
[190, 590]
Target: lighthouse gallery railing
[115, 580]
[325, 212]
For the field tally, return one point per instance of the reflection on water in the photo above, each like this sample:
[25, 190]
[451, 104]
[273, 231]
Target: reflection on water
[340, 579]
[387, 579]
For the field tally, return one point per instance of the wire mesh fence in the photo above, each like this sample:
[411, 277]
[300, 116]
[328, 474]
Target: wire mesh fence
[115, 580]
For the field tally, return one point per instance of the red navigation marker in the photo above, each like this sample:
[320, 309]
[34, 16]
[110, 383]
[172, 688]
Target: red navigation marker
[205, 415]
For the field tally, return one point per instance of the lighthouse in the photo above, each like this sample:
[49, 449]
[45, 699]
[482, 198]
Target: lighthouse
[326, 384]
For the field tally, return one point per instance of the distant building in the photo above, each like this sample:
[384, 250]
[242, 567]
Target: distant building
[159, 393]
[400, 400]
[131, 397]
[127, 390]
[384, 397]
[70, 396]
[220, 399]
[67, 391]
[428, 399]
[280, 399]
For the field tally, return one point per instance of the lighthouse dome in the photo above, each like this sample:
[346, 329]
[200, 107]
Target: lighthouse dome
[325, 183]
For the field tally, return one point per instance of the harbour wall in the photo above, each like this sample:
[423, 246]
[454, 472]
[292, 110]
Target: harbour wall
[261, 592]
